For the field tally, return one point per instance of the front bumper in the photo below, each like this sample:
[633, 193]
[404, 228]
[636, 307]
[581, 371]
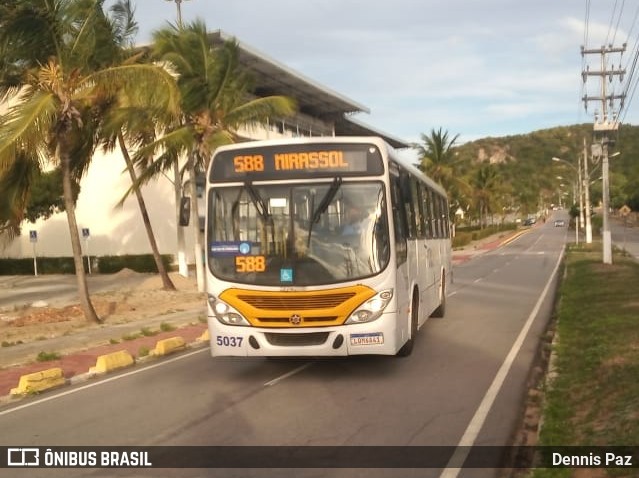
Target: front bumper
[379, 337]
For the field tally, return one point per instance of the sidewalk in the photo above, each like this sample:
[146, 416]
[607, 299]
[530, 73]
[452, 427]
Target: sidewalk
[80, 351]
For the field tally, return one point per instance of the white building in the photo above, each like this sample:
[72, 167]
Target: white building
[117, 231]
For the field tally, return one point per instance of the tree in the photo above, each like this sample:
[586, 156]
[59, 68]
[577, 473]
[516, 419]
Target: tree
[485, 184]
[55, 71]
[216, 102]
[439, 161]
[127, 124]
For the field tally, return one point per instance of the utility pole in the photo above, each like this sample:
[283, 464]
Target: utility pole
[604, 125]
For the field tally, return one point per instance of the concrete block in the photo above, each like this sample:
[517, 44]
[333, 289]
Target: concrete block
[168, 346]
[39, 381]
[113, 361]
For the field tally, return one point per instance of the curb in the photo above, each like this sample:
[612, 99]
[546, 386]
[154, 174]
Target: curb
[41, 381]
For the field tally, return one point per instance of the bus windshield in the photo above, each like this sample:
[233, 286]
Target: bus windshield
[297, 234]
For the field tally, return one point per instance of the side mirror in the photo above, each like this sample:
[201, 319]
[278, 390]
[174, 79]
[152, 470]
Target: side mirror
[185, 211]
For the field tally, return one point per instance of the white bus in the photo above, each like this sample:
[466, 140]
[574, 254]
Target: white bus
[322, 247]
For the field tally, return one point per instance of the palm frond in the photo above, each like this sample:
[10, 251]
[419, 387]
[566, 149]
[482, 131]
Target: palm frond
[27, 126]
[260, 110]
[143, 84]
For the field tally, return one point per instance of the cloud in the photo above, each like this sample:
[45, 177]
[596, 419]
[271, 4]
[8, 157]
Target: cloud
[490, 67]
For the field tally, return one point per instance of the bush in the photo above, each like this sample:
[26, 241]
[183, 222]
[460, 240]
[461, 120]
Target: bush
[46, 265]
[474, 233]
[64, 265]
[461, 239]
[137, 263]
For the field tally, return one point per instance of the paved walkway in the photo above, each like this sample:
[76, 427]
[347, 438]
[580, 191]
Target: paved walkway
[20, 359]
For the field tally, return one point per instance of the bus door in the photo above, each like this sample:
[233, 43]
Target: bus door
[426, 271]
[400, 226]
[431, 232]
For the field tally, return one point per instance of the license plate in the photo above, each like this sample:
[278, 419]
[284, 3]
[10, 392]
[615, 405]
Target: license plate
[375, 338]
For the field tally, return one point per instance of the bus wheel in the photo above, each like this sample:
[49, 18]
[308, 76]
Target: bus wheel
[407, 348]
[440, 311]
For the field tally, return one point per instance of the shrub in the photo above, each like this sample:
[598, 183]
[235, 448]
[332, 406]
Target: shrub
[137, 263]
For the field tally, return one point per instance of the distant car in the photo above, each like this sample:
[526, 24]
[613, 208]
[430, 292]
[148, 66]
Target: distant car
[530, 221]
[560, 223]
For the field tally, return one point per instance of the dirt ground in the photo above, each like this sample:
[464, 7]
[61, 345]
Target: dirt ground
[138, 296]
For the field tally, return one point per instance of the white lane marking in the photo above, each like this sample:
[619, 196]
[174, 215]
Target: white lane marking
[288, 374]
[450, 294]
[103, 381]
[477, 280]
[474, 427]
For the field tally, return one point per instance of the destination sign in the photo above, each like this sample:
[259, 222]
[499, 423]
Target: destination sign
[296, 161]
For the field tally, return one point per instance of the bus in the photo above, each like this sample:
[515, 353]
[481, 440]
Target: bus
[330, 246]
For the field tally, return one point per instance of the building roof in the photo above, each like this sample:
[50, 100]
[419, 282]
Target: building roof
[274, 78]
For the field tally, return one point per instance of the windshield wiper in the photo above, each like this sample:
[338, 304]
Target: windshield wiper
[257, 200]
[323, 205]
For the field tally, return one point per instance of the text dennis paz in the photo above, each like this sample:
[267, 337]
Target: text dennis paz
[592, 460]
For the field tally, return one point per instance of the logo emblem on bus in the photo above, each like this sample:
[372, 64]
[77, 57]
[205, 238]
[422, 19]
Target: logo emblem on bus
[295, 319]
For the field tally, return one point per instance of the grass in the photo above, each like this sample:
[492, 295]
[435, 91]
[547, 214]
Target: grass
[593, 400]
[48, 356]
[132, 336]
[166, 327]
[147, 332]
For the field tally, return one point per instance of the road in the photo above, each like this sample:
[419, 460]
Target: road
[625, 237]
[463, 385]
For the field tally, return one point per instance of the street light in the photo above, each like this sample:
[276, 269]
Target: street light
[580, 189]
[178, 3]
[183, 268]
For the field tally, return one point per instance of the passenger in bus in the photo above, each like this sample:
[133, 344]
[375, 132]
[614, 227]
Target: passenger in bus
[355, 220]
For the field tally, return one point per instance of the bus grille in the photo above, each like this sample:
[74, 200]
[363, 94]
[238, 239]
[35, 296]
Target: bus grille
[266, 321]
[294, 340]
[297, 309]
[289, 302]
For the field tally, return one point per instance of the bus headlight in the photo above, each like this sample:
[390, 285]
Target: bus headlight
[225, 313]
[372, 309]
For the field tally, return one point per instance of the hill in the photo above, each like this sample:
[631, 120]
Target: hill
[524, 163]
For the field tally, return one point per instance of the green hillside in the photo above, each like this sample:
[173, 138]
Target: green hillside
[527, 177]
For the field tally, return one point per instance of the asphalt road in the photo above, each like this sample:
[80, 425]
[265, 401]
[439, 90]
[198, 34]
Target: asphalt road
[463, 385]
[625, 237]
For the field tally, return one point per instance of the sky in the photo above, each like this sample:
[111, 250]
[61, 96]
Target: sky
[474, 68]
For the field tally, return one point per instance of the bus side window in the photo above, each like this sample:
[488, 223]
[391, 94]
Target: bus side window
[399, 219]
[445, 219]
[407, 200]
[424, 206]
[434, 203]
[434, 215]
[417, 210]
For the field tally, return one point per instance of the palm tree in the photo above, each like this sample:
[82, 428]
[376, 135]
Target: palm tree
[439, 161]
[56, 73]
[216, 102]
[127, 125]
[485, 184]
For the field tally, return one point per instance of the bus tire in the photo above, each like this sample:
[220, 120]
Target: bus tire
[440, 311]
[407, 348]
